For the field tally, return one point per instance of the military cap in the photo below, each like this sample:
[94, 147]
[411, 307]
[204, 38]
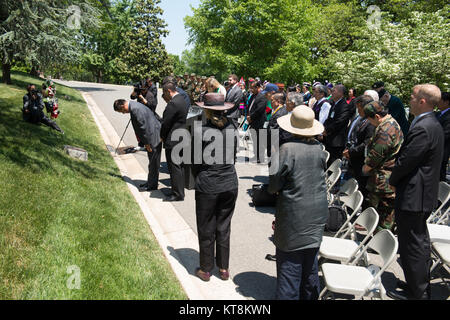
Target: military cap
[192, 74]
[372, 108]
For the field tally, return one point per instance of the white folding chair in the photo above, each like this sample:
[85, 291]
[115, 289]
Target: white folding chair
[357, 280]
[347, 189]
[340, 248]
[441, 213]
[439, 233]
[334, 166]
[353, 202]
[441, 252]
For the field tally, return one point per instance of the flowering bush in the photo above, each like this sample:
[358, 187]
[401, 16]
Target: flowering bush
[400, 54]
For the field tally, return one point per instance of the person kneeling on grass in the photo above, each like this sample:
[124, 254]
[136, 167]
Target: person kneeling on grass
[33, 106]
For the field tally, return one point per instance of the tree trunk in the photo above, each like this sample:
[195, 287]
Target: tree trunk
[6, 68]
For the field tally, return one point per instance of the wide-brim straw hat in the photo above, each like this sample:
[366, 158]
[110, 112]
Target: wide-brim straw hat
[215, 101]
[301, 122]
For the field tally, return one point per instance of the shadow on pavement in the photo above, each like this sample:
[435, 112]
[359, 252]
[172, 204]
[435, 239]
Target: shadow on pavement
[91, 89]
[256, 285]
[257, 179]
[188, 258]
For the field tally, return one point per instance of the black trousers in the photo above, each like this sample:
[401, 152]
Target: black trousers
[154, 162]
[214, 213]
[259, 143]
[415, 250]
[42, 118]
[176, 175]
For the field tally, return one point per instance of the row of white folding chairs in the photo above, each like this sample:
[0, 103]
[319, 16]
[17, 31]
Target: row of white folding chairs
[439, 230]
[344, 247]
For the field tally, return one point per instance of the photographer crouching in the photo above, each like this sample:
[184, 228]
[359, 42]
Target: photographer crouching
[33, 106]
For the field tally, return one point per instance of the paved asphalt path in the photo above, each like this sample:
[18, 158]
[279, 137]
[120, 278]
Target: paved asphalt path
[254, 276]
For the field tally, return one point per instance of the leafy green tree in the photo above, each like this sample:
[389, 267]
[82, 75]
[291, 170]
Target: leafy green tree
[177, 64]
[253, 37]
[44, 36]
[144, 53]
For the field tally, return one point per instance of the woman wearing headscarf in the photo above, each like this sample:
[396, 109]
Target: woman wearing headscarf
[216, 187]
[302, 208]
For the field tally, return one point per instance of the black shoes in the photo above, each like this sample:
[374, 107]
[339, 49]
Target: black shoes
[173, 198]
[405, 294]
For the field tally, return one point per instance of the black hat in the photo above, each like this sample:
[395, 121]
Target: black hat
[378, 85]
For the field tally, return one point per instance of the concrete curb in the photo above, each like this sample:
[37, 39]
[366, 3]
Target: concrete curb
[176, 239]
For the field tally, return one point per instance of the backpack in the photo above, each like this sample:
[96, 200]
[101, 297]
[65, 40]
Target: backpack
[336, 218]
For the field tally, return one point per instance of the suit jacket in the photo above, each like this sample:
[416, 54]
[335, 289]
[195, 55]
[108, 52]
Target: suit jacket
[284, 136]
[234, 95]
[174, 117]
[337, 123]
[258, 111]
[146, 126]
[417, 169]
[445, 123]
[363, 132]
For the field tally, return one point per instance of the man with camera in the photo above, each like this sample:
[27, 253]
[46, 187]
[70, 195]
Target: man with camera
[33, 106]
[147, 129]
[144, 95]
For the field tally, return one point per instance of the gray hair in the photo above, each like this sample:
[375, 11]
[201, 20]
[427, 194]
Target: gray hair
[296, 98]
[323, 89]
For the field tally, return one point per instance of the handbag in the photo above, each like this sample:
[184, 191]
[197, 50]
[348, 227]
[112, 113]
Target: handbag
[261, 197]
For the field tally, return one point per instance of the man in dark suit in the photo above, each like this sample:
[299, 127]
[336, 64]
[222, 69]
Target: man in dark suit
[416, 179]
[334, 136]
[358, 137]
[257, 117]
[174, 118]
[234, 95]
[147, 128]
[396, 109]
[444, 119]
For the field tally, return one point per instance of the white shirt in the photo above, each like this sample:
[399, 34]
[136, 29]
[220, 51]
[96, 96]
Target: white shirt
[324, 111]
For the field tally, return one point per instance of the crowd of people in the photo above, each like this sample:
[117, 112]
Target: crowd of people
[398, 165]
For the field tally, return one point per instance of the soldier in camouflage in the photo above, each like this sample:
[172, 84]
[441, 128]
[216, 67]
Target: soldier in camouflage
[185, 81]
[180, 82]
[380, 160]
[190, 87]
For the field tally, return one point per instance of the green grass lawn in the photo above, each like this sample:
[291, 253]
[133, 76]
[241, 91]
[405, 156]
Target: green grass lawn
[56, 212]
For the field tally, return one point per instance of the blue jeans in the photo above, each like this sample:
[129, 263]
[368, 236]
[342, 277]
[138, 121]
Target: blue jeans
[298, 275]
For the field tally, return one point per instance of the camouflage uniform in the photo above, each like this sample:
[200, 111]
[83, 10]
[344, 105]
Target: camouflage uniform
[190, 88]
[180, 82]
[380, 156]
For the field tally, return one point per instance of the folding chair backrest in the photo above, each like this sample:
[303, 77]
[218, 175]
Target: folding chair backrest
[333, 179]
[353, 202]
[327, 155]
[335, 166]
[443, 197]
[368, 219]
[349, 187]
[385, 243]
